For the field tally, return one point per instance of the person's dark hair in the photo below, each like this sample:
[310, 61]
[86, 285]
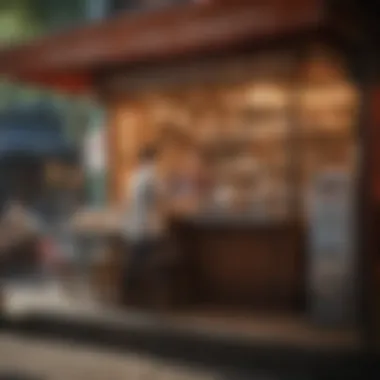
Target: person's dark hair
[148, 153]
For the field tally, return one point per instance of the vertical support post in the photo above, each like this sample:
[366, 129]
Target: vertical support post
[369, 200]
[95, 159]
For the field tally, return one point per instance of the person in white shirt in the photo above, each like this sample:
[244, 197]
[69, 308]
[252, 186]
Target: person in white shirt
[144, 223]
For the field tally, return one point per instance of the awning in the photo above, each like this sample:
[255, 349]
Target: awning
[71, 60]
[32, 143]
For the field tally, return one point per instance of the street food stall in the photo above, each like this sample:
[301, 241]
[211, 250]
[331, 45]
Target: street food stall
[271, 96]
[268, 123]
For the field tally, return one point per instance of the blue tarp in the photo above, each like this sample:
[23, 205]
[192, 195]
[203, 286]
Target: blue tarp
[35, 131]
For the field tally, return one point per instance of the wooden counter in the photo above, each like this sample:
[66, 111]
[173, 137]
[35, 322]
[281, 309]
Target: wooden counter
[258, 265]
[228, 263]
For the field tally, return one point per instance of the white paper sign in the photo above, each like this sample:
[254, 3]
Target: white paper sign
[331, 248]
[95, 151]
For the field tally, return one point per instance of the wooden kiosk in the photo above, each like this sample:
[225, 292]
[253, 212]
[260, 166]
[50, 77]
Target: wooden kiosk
[273, 92]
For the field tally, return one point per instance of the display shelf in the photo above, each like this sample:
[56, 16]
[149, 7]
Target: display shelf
[264, 138]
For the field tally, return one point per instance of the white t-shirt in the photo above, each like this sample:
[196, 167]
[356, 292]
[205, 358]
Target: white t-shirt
[143, 219]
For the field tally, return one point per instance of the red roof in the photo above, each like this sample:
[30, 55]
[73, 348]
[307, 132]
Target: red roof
[68, 61]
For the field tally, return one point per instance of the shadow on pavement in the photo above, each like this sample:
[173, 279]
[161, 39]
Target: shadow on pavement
[18, 376]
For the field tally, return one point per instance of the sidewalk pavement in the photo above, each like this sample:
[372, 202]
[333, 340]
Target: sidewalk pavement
[35, 359]
[47, 311]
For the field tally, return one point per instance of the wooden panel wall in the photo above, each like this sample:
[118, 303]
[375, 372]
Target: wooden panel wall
[247, 267]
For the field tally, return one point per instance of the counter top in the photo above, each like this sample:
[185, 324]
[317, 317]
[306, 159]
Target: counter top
[222, 219]
[110, 222]
[97, 221]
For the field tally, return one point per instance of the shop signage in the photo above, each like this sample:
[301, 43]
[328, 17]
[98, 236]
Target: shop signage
[331, 276]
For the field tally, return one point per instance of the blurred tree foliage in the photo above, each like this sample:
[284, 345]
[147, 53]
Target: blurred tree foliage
[17, 21]
[58, 14]
[22, 20]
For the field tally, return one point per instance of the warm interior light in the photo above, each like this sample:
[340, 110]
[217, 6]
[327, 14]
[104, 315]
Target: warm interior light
[333, 95]
[128, 122]
[267, 95]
